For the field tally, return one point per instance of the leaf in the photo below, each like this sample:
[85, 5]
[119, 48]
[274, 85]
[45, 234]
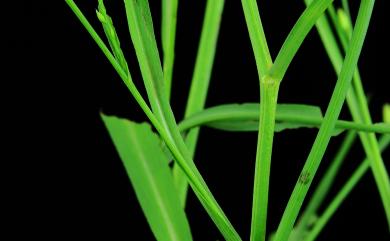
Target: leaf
[244, 117]
[297, 112]
[288, 116]
[149, 173]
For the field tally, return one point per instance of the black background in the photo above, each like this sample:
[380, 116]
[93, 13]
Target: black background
[69, 181]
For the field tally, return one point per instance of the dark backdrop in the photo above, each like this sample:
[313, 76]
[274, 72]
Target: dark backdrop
[70, 181]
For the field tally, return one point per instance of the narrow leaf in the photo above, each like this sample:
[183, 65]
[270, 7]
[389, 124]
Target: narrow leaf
[150, 176]
[244, 117]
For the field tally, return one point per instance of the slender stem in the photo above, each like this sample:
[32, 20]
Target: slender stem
[129, 83]
[142, 35]
[257, 37]
[269, 93]
[296, 36]
[339, 30]
[360, 112]
[169, 134]
[200, 83]
[283, 60]
[126, 77]
[268, 100]
[168, 32]
[332, 113]
[346, 8]
[343, 193]
[325, 184]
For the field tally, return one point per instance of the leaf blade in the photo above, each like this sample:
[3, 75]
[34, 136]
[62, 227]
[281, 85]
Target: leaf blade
[150, 176]
[244, 117]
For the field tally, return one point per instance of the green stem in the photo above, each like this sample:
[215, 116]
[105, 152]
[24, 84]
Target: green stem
[268, 100]
[360, 112]
[296, 36]
[325, 184]
[169, 133]
[200, 83]
[342, 86]
[339, 30]
[126, 77]
[346, 8]
[142, 35]
[168, 32]
[269, 95]
[344, 192]
[257, 37]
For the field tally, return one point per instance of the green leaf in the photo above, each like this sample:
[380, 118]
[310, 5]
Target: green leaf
[296, 111]
[147, 167]
[244, 117]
